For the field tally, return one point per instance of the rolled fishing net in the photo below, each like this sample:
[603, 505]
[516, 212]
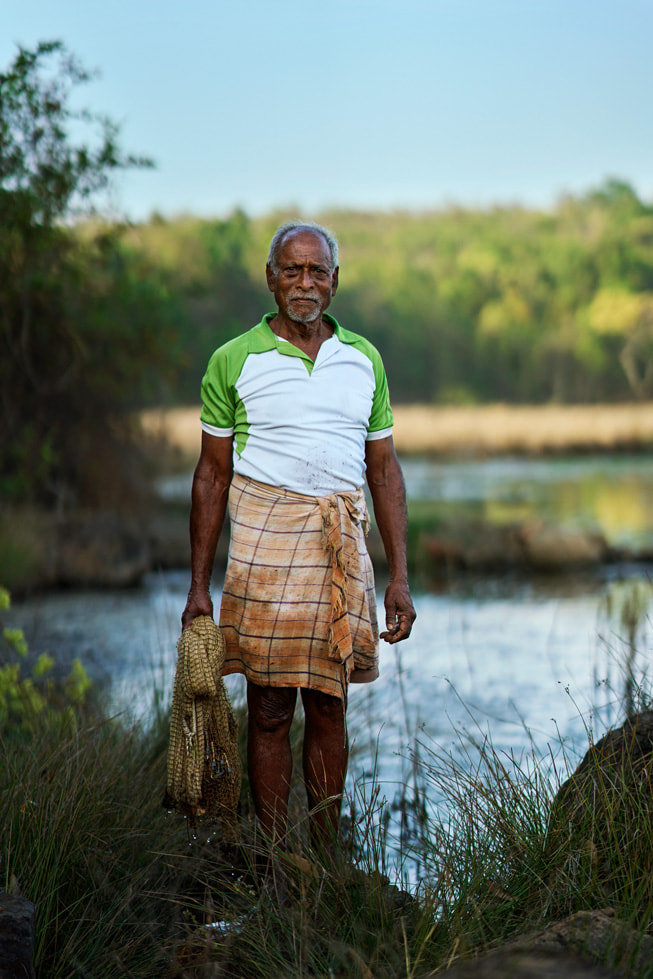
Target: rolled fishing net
[204, 768]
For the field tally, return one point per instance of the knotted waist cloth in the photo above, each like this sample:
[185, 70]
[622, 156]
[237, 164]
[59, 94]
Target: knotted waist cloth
[298, 604]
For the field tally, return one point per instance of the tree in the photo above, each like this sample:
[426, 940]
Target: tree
[44, 175]
[66, 293]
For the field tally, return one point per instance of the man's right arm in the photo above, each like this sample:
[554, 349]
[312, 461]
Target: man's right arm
[209, 496]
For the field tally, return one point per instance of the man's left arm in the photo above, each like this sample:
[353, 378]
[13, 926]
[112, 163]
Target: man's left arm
[386, 483]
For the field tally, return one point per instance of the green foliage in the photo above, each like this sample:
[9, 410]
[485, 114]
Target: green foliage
[43, 173]
[120, 891]
[82, 824]
[204, 264]
[507, 304]
[83, 331]
[26, 702]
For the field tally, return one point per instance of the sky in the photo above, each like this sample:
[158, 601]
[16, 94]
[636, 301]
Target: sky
[361, 104]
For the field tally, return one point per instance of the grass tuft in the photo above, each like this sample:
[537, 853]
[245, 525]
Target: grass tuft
[477, 846]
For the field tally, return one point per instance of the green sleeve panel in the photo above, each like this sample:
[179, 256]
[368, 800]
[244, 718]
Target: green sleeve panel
[221, 406]
[219, 384]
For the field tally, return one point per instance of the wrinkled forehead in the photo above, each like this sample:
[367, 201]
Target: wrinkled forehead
[310, 245]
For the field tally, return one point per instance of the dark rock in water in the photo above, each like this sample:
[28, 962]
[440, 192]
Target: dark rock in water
[576, 947]
[93, 548]
[100, 548]
[548, 548]
[17, 934]
[169, 539]
[472, 545]
[601, 825]
[484, 546]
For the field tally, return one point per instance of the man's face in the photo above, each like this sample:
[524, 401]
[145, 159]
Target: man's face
[305, 283]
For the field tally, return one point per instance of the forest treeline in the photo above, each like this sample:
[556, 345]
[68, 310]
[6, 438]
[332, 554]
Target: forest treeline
[99, 318]
[466, 306]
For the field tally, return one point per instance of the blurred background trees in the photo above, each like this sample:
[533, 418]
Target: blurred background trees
[99, 318]
[508, 304]
[85, 329]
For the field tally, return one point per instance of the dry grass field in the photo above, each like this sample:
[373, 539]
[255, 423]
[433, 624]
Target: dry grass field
[483, 430]
[499, 429]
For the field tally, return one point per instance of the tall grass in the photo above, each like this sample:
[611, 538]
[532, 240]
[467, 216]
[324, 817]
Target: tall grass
[81, 819]
[123, 890]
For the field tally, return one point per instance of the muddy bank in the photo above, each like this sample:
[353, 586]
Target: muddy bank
[480, 546]
[107, 549]
[91, 548]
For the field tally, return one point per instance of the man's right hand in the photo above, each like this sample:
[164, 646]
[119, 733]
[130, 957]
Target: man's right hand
[198, 603]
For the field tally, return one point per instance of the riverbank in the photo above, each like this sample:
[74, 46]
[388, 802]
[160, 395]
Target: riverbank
[469, 507]
[110, 549]
[499, 892]
[106, 549]
[478, 430]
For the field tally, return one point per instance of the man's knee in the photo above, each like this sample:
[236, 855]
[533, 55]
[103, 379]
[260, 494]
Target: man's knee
[270, 708]
[323, 707]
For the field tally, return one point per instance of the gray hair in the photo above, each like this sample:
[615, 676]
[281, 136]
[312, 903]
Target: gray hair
[290, 226]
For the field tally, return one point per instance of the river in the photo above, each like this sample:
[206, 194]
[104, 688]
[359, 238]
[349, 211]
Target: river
[530, 663]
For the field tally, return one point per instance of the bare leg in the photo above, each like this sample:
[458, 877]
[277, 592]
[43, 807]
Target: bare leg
[270, 711]
[326, 752]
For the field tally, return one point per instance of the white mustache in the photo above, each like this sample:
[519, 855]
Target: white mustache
[304, 295]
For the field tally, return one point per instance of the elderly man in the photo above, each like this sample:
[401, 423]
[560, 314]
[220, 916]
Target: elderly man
[295, 413]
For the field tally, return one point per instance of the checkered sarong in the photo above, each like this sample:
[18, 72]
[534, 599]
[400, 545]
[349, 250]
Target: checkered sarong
[298, 604]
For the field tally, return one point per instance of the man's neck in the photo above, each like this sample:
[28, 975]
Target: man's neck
[309, 337]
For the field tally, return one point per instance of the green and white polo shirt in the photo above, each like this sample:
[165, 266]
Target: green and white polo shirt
[298, 424]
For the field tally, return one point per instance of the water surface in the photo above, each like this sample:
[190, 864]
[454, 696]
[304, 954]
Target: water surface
[612, 494]
[526, 663]
[533, 664]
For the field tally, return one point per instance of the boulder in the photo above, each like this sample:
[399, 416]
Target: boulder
[601, 824]
[100, 549]
[548, 548]
[17, 934]
[473, 545]
[479, 545]
[577, 947]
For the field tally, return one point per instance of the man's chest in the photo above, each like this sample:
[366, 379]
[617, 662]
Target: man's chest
[280, 389]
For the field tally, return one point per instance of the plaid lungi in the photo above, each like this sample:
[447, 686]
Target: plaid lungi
[298, 604]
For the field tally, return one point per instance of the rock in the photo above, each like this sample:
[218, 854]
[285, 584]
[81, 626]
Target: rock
[92, 548]
[17, 935]
[493, 546]
[169, 539]
[576, 947]
[601, 824]
[529, 965]
[549, 548]
[100, 548]
[482, 546]
[474, 545]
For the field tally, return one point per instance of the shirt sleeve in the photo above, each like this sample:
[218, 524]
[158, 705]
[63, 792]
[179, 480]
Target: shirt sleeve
[218, 396]
[381, 418]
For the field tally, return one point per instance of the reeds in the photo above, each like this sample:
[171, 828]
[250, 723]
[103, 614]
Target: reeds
[460, 860]
[479, 429]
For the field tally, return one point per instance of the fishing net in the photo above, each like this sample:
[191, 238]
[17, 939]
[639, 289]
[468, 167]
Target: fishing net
[204, 768]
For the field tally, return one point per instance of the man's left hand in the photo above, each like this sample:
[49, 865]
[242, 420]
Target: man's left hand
[399, 612]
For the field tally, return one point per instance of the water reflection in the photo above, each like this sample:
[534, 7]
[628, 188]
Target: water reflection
[530, 664]
[613, 494]
[523, 663]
